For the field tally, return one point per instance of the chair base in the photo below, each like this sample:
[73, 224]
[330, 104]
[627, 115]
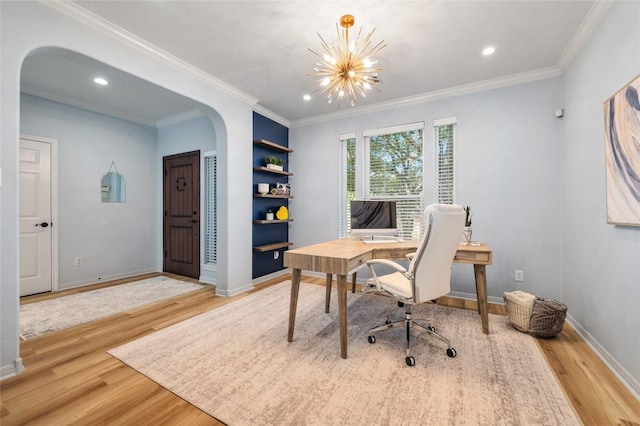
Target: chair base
[408, 324]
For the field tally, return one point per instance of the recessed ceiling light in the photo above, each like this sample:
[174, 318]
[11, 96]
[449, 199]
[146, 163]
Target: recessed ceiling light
[307, 97]
[488, 51]
[101, 81]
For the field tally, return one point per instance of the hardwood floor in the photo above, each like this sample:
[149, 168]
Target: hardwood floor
[70, 378]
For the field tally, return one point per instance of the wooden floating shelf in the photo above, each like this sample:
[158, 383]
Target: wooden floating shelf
[272, 196]
[274, 246]
[268, 222]
[277, 172]
[272, 145]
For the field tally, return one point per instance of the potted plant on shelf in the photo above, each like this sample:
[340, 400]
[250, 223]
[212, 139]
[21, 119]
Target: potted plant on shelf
[466, 233]
[269, 214]
[273, 163]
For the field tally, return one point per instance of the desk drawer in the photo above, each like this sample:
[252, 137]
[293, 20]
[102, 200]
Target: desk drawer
[393, 253]
[477, 257]
[355, 262]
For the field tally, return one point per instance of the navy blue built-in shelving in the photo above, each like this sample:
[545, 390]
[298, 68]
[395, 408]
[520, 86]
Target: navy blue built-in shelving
[270, 237]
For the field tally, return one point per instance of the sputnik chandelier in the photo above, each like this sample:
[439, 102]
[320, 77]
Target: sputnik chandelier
[347, 70]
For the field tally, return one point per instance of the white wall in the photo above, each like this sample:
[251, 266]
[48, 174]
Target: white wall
[114, 239]
[507, 156]
[191, 135]
[26, 26]
[601, 262]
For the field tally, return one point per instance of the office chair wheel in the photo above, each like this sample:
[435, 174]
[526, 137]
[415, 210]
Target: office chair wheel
[372, 339]
[431, 328]
[451, 353]
[411, 361]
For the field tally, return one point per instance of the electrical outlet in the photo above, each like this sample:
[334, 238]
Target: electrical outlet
[79, 261]
[519, 275]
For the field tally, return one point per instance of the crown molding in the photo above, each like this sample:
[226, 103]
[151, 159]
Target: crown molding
[179, 118]
[589, 23]
[100, 24]
[86, 106]
[496, 83]
[271, 115]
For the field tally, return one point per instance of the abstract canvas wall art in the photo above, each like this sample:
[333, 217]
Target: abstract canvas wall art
[622, 155]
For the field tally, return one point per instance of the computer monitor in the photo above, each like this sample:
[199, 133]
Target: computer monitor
[373, 217]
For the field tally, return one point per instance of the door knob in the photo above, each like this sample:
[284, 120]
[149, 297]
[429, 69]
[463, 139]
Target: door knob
[43, 224]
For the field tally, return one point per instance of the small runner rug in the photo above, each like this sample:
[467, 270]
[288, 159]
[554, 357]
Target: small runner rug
[63, 312]
[234, 362]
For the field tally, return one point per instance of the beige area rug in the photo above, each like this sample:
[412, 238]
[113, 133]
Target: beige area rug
[235, 363]
[63, 312]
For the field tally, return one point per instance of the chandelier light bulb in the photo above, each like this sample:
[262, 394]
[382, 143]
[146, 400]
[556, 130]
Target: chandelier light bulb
[346, 68]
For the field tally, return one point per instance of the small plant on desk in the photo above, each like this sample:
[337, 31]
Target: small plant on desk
[467, 225]
[467, 219]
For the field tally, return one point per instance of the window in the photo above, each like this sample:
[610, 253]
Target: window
[347, 181]
[444, 136]
[210, 199]
[394, 171]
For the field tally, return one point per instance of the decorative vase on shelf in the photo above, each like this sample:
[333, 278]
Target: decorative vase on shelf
[263, 188]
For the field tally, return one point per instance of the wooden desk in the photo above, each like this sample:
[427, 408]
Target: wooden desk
[341, 256]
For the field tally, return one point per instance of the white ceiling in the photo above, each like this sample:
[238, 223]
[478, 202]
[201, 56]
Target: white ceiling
[260, 48]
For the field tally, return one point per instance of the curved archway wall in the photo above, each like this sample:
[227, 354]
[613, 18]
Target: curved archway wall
[27, 26]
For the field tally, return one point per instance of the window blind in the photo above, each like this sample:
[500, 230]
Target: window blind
[444, 135]
[395, 171]
[347, 182]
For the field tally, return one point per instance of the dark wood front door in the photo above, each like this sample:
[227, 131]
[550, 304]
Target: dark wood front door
[181, 199]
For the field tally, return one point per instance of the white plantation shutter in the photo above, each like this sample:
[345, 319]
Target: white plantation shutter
[347, 181]
[211, 197]
[395, 166]
[444, 137]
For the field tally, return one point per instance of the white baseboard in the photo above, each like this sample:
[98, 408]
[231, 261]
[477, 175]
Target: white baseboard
[623, 375]
[12, 369]
[83, 283]
[474, 297]
[207, 280]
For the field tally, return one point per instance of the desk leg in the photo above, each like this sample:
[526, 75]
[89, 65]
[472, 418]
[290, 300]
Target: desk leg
[342, 314]
[293, 305]
[327, 299]
[481, 290]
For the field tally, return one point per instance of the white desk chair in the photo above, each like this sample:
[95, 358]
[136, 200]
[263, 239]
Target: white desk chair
[429, 273]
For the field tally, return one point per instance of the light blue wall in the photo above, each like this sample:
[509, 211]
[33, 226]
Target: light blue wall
[507, 157]
[186, 136]
[28, 26]
[114, 239]
[536, 184]
[601, 262]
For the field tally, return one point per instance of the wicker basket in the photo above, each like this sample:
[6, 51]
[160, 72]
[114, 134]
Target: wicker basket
[544, 319]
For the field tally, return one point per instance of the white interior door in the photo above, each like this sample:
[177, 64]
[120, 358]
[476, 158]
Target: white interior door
[36, 249]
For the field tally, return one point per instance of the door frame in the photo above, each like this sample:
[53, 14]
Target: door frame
[54, 204]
